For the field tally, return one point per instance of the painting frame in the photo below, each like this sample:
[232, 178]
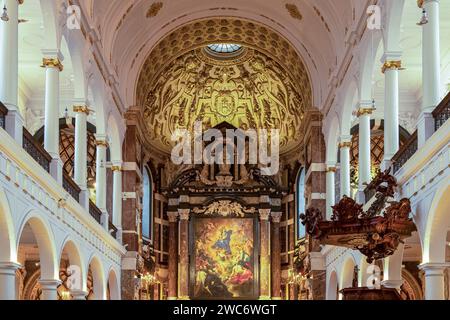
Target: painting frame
[193, 258]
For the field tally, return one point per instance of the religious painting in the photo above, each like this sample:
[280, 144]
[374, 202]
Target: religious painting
[224, 259]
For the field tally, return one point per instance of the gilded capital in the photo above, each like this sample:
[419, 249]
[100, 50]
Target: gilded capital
[52, 63]
[81, 109]
[364, 111]
[184, 214]
[276, 216]
[116, 168]
[331, 169]
[347, 144]
[420, 3]
[264, 214]
[391, 65]
[101, 143]
[172, 216]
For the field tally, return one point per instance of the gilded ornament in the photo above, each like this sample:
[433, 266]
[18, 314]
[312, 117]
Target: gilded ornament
[225, 208]
[254, 92]
[154, 9]
[52, 63]
[364, 111]
[82, 109]
[346, 144]
[293, 11]
[389, 65]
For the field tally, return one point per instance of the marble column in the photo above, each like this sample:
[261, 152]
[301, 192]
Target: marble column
[53, 66]
[434, 280]
[10, 70]
[100, 178]
[173, 256]
[392, 64]
[49, 289]
[276, 256]
[8, 280]
[80, 163]
[331, 191]
[117, 198]
[264, 273]
[392, 271]
[184, 254]
[344, 149]
[364, 152]
[78, 294]
[431, 73]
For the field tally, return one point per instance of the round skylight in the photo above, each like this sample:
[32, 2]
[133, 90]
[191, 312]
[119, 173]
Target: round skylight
[224, 47]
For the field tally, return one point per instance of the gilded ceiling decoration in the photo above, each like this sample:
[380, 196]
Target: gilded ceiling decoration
[293, 11]
[154, 9]
[201, 33]
[248, 91]
[264, 86]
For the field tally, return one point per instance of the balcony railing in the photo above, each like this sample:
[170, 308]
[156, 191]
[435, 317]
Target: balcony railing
[36, 151]
[95, 212]
[71, 187]
[114, 230]
[405, 153]
[3, 113]
[442, 112]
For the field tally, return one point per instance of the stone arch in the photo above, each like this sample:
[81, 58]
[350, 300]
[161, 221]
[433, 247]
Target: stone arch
[75, 259]
[46, 245]
[113, 285]
[437, 225]
[332, 140]
[8, 252]
[332, 286]
[350, 101]
[115, 140]
[347, 272]
[98, 275]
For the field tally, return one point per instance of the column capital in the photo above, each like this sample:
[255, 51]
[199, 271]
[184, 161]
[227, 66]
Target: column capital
[420, 3]
[331, 169]
[101, 140]
[78, 294]
[391, 65]
[431, 268]
[364, 111]
[116, 168]
[345, 141]
[52, 63]
[184, 214]
[172, 215]
[9, 267]
[81, 109]
[276, 216]
[264, 214]
[50, 283]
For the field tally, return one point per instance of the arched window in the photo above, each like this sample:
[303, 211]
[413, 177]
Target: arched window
[301, 202]
[147, 206]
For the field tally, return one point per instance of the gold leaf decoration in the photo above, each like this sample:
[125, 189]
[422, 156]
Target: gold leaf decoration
[154, 9]
[293, 11]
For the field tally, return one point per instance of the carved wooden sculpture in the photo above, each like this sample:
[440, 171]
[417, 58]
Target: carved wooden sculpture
[376, 233]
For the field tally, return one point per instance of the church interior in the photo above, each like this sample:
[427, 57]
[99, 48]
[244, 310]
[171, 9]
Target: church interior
[335, 184]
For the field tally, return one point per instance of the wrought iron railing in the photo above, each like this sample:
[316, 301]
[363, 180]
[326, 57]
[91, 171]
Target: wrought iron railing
[442, 112]
[95, 212]
[71, 187]
[405, 152]
[3, 113]
[36, 150]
